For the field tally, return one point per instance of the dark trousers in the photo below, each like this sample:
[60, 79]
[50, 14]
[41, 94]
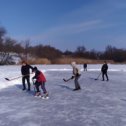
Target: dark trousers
[77, 85]
[43, 87]
[85, 68]
[37, 84]
[24, 79]
[104, 74]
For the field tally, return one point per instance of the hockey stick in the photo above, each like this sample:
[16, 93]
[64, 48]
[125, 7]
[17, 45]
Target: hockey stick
[12, 78]
[66, 80]
[98, 76]
[16, 77]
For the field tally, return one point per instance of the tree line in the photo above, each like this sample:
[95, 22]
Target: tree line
[24, 50]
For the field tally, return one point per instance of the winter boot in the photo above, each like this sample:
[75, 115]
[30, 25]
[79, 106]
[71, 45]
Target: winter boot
[38, 94]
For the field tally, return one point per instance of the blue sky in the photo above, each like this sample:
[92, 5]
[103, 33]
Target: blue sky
[66, 24]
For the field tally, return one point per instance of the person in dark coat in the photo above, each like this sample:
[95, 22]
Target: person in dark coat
[85, 66]
[25, 71]
[104, 70]
[40, 81]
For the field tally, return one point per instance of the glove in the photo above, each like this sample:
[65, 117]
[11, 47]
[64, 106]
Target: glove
[33, 80]
[72, 77]
[77, 74]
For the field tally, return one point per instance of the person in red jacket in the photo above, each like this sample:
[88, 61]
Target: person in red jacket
[40, 81]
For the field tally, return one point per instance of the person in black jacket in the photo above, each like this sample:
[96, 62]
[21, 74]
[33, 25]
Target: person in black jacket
[104, 70]
[25, 71]
[85, 66]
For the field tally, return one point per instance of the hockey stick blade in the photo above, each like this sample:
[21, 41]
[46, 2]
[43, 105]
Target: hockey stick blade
[7, 79]
[65, 80]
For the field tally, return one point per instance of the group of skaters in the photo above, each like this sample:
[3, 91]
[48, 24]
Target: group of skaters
[39, 78]
[104, 70]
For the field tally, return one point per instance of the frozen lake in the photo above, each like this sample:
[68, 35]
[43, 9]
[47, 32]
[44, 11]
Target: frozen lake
[99, 103]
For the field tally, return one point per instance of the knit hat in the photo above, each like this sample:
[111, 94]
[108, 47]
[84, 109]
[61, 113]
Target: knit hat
[34, 69]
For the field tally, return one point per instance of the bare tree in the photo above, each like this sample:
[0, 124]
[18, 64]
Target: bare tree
[9, 45]
[2, 33]
[26, 49]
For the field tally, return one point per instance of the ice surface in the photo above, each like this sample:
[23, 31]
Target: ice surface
[97, 104]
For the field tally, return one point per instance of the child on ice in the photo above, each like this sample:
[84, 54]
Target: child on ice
[76, 76]
[40, 81]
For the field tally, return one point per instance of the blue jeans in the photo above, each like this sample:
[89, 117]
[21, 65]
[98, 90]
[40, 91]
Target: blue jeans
[42, 84]
[43, 87]
[77, 85]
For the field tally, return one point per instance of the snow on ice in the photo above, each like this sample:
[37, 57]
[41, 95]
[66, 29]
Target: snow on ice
[99, 103]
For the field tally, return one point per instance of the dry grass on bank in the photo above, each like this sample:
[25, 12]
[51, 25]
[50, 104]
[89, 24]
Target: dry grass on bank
[66, 61]
[39, 61]
[79, 61]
